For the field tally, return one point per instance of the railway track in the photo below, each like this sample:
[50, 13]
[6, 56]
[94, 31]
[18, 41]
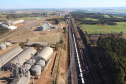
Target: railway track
[75, 76]
[77, 52]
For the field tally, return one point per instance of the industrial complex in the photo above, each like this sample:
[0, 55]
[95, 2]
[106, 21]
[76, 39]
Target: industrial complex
[28, 49]
[25, 63]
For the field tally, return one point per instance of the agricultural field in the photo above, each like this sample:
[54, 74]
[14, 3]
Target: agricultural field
[27, 18]
[91, 29]
[91, 19]
[3, 16]
[107, 16]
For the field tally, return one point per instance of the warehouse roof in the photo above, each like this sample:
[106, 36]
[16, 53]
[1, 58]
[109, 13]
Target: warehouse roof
[12, 27]
[23, 80]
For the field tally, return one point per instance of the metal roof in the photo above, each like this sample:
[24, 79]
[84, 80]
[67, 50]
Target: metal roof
[9, 55]
[23, 57]
[45, 53]
[22, 80]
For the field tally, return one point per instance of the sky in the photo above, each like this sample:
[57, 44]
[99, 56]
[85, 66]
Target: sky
[21, 4]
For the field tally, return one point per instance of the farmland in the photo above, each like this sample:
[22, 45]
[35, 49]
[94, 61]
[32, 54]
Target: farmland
[91, 19]
[107, 16]
[91, 29]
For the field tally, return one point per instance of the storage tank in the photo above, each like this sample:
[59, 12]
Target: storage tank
[9, 55]
[27, 67]
[2, 46]
[23, 57]
[31, 61]
[36, 70]
[45, 53]
[41, 63]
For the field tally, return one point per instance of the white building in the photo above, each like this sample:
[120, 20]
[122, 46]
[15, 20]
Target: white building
[14, 22]
[45, 26]
[12, 27]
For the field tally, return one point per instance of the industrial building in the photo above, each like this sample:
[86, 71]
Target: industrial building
[45, 26]
[8, 44]
[14, 22]
[45, 53]
[22, 80]
[24, 64]
[12, 27]
[23, 57]
[5, 58]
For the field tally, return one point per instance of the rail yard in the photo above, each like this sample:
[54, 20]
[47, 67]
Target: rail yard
[79, 69]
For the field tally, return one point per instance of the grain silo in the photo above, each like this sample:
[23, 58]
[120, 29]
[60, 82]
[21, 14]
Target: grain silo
[41, 63]
[27, 67]
[36, 70]
[9, 55]
[30, 61]
[45, 26]
[45, 53]
[23, 57]
[2, 46]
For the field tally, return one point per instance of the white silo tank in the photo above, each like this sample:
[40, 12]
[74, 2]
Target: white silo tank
[36, 70]
[2, 46]
[41, 63]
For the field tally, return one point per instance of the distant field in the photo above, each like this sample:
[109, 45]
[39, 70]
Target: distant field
[28, 18]
[117, 11]
[107, 16]
[105, 28]
[115, 16]
[91, 19]
[3, 16]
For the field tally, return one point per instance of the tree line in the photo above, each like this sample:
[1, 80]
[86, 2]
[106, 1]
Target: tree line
[3, 30]
[113, 58]
[80, 17]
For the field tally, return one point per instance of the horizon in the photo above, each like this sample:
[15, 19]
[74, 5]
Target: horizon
[48, 4]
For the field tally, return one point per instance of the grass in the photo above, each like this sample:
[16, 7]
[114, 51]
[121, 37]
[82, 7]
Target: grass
[28, 18]
[91, 19]
[116, 16]
[107, 16]
[3, 16]
[117, 11]
[121, 26]
[92, 27]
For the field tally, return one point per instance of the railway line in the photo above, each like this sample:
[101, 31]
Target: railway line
[77, 52]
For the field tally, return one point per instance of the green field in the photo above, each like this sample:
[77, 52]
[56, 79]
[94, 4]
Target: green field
[91, 29]
[28, 18]
[3, 16]
[91, 19]
[115, 16]
[107, 16]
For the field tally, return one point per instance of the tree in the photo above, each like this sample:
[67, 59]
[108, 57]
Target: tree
[57, 21]
[61, 41]
[64, 28]
[57, 46]
[22, 45]
[37, 46]
[64, 46]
